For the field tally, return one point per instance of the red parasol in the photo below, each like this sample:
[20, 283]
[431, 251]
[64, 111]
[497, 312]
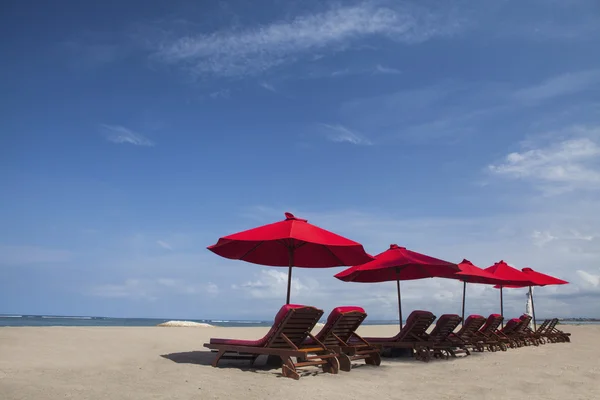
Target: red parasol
[398, 264]
[472, 274]
[510, 276]
[292, 242]
[536, 279]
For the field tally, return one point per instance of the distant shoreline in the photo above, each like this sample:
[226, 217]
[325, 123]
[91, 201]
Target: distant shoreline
[69, 320]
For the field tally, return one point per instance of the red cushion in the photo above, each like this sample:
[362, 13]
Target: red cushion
[238, 342]
[471, 325]
[335, 313]
[473, 316]
[511, 324]
[491, 319]
[442, 324]
[409, 321]
[279, 317]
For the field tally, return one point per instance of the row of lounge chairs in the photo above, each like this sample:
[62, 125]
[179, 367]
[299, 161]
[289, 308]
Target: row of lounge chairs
[291, 345]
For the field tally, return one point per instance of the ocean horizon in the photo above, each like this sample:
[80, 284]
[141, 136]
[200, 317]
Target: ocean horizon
[17, 320]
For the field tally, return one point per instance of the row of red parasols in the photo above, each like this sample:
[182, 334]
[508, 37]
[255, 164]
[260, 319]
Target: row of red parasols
[294, 242]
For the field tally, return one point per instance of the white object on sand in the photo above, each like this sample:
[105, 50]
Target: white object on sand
[529, 308]
[189, 324]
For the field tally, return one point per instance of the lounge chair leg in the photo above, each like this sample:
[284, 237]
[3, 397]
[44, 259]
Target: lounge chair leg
[288, 369]
[218, 357]
[374, 359]
[332, 366]
[345, 362]
[422, 354]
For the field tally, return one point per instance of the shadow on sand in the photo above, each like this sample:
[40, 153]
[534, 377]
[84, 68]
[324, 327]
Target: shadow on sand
[206, 358]
[191, 357]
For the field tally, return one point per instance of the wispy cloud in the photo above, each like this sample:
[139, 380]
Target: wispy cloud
[446, 110]
[567, 164]
[590, 279]
[268, 86]
[257, 49]
[164, 245]
[340, 134]
[220, 94]
[386, 70]
[558, 86]
[120, 134]
[450, 110]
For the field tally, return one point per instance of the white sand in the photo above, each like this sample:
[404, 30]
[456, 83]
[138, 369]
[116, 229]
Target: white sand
[157, 363]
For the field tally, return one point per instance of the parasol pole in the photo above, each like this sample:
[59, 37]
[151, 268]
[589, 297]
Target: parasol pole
[399, 297]
[501, 306]
[532, 308]
[399, 303]
[291, 258]
[463, 305]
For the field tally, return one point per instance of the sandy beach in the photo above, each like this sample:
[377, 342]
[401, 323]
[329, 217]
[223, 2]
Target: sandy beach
[170, 363]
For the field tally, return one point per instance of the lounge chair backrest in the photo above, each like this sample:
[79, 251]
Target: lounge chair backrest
[416, 326]
[472, 324]
[444, 327]
[342, 322]
[296, 324]
[511, 326]
[282, 315]
[542, 328]
[525, 321]
[492, 324]
[551, 325]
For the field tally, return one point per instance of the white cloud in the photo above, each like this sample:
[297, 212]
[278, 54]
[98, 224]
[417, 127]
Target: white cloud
[559, 86]
[484, 240]
[566, 164]
[164, 245]
[339, 133]
[272, 284]
[22, 255]
[590, 279]
[120, 134]
[152, 289]
[256, 49]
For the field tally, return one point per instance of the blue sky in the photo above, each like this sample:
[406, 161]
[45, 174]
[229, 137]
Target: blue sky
[134, 135]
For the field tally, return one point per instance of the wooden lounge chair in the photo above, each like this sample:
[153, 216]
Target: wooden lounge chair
[413, 335]
[539, 333]
[525, 333]
[487, 337]
[555, 335]
[466, 336]
[293, 324]
[339, 334]
[440, 344]
[507, 334]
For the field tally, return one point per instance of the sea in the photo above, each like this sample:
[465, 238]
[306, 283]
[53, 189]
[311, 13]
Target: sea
[56, 320]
